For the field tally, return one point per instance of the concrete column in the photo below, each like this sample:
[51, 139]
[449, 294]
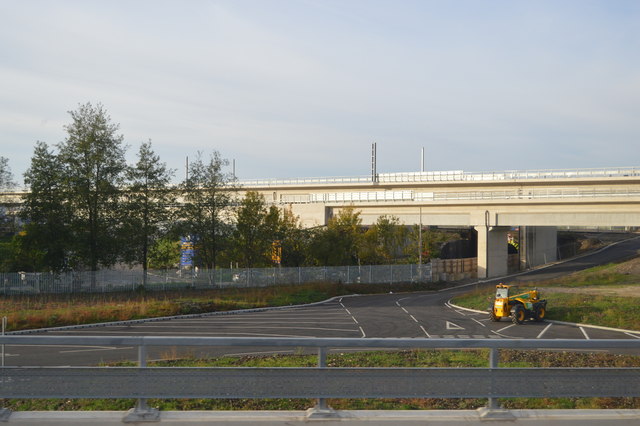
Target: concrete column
[538, 245]
[492, 251]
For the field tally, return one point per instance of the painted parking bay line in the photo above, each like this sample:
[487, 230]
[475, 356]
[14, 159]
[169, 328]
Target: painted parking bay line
[97, 349]
[544, 331]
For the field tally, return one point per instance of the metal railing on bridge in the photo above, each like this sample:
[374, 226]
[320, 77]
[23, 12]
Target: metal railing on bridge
[431, 176]
[451, 176]
[319, 382]
[444, 196]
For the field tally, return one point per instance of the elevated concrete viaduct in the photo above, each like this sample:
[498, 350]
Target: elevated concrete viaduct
[537, 202]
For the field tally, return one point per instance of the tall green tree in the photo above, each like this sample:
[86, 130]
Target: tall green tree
[94, 171]
[164, 253]
[383, 242]
[252, 236]
[47, 235]
[339, 243]
[6, 177]
[206, 211]
[6, 182]
[149, 199]
[294, 240]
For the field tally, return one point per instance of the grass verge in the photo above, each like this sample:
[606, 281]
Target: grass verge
[409, 358]
[574, 298]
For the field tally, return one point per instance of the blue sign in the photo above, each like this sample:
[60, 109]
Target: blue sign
[187, 251]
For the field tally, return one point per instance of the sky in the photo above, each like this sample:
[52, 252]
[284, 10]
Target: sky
[302, 88]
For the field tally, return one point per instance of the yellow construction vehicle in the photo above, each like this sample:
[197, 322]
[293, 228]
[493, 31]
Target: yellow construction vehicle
[519, 306]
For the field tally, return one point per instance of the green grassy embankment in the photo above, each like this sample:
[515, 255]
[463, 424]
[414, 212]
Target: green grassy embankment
[606, 295]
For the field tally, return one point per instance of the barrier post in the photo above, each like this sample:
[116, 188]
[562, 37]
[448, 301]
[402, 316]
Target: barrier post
[322, 410]
[493, 409]
[142, 412]
[4, 412]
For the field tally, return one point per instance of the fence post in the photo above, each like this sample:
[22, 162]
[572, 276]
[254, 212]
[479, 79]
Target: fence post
[142, 412]
[4, 327]
[322, 410]
[493, 409]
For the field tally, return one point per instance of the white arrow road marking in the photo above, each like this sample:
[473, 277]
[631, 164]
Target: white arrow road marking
[452, 326]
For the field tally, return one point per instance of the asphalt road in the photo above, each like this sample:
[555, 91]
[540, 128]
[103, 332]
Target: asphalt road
[411, 315]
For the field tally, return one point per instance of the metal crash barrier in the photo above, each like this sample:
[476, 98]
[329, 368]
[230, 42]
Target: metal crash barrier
[321, 382]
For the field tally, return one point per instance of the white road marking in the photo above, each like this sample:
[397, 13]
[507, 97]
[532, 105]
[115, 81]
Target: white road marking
[238, 324]
[452, 326]
[425, 331]
[340, 300]
[354, 319]
[405, 311]
[235, 327]
[107, 348]
[362, 331]
[632, 335]
[242, 354]
[462, 313]
[478, 322]
[347, 311]
[586, 336]
[219, 334]
[503, 329]
[544, 331]
[463, 336]
[413, 318]
[398, 303]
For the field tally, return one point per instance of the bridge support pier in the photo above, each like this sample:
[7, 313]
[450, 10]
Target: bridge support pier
[492, 251]
[538, 245]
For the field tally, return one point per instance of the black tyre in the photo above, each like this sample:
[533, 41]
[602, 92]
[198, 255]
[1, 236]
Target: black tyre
[493, 316]
[539, 313]
[519, 315]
